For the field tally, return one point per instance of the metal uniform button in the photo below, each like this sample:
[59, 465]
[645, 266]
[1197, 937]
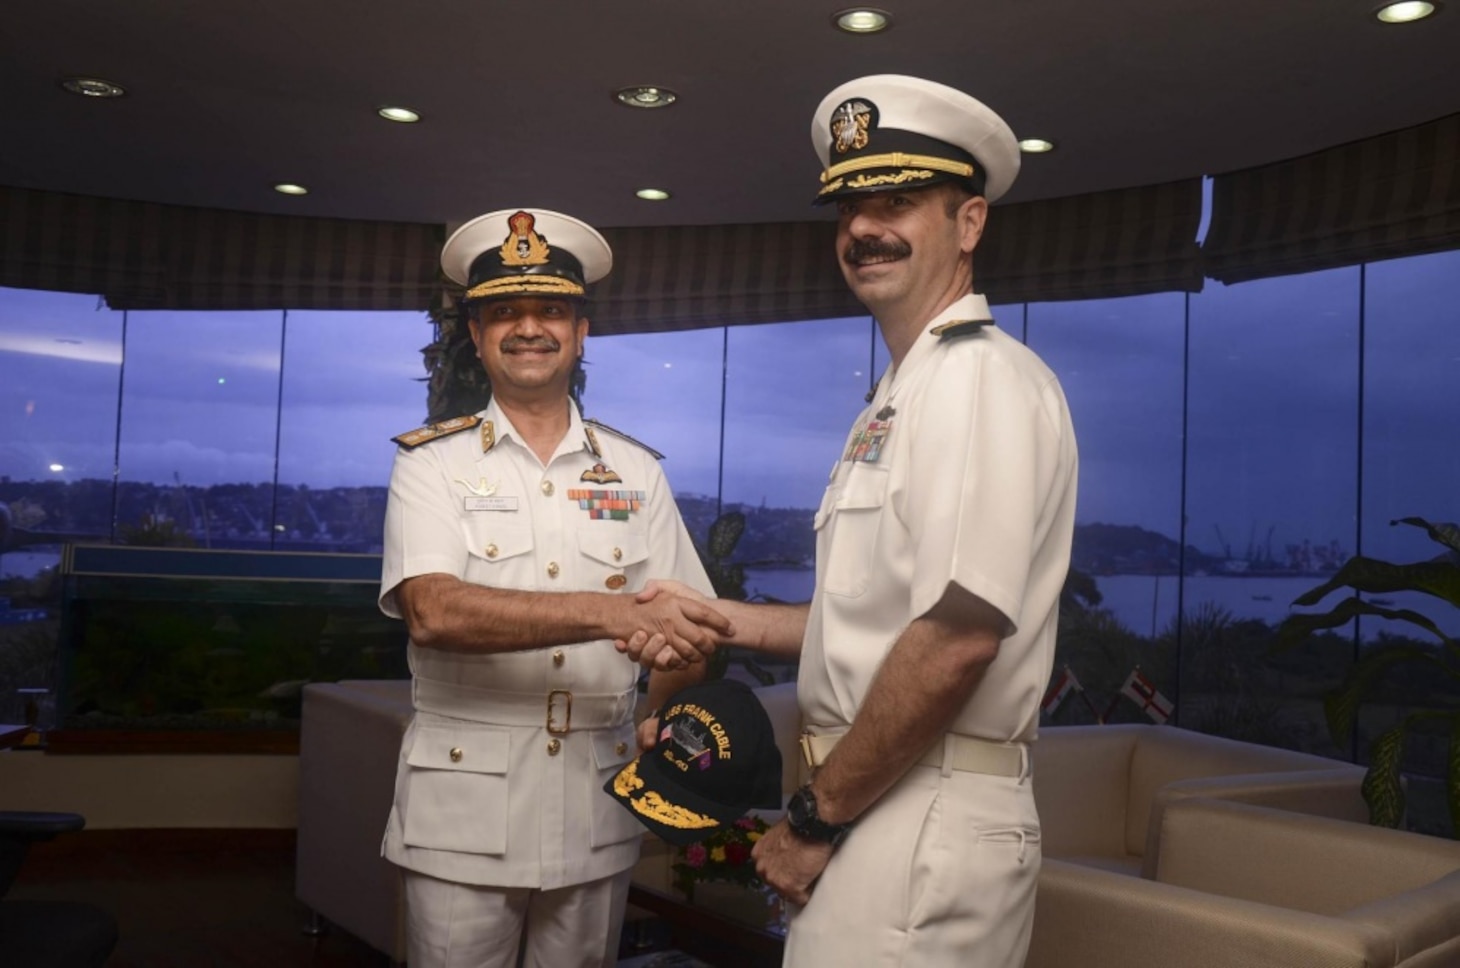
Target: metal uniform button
[618, 554]
[456, 754]
[547, 488]
[557, 657]
[552, 569]
[491, 551]
[554, 746]
[621, 748]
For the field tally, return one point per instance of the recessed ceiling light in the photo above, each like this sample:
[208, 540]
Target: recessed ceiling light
[403, 115]
[642, 96]
[862, 20]
[58, 468]
[289, 188]
[652, 194]
[92, 87]
[1035, 146]
[1406, 11]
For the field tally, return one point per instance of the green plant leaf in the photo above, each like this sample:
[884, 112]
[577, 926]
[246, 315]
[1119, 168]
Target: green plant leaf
[1341, 705]
[1382, 789]
[1452, 777]
[725, 534]
[1447, 534]
[1295, 629]
[1438, 578]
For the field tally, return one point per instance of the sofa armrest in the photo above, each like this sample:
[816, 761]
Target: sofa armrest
[1099, 919]
[349, 745]
[1422, 922]
[1332, 793]
[1306, 863]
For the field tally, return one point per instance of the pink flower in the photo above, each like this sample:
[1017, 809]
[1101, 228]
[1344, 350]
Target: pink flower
[745, 823]
[694, 855]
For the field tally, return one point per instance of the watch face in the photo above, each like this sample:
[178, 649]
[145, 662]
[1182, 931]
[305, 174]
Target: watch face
[796, 811]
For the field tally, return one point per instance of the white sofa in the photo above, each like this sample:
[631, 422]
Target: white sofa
[1110, 799]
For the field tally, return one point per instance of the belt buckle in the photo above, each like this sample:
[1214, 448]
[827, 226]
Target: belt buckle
[805, 740]
[553, 728]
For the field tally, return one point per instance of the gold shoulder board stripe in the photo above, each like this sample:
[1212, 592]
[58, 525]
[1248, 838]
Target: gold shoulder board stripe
[412, 439]
[955, 328]
[619, 433]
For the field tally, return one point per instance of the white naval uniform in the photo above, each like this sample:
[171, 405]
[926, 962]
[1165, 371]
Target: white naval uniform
[484, 794]
[973, 484]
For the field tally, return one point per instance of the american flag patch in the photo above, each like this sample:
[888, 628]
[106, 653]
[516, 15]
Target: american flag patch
[607, 505]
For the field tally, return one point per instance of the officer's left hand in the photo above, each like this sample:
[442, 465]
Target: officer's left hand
[788, 863]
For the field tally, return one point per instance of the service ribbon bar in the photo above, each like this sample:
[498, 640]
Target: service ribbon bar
[607, 505]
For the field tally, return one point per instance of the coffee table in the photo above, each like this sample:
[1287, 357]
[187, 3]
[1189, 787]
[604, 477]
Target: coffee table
[739, 935]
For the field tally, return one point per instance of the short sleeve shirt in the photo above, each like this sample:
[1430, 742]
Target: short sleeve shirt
[962, 470]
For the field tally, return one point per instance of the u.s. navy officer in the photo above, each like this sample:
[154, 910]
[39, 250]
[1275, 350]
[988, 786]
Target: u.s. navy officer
[942, 543]
[513, 538]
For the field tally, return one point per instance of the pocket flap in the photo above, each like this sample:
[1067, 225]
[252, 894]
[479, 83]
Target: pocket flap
[494, 541]
[866, 487]
[612, 748]
[614, 550]
[465, 748]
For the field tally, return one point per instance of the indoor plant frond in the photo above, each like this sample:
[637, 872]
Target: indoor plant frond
[1439, 578]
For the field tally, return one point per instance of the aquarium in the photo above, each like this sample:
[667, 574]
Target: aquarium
[171, 641]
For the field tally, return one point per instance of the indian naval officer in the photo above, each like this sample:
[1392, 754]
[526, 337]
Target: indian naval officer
[513, 538]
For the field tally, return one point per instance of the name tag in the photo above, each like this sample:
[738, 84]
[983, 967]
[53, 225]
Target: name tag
[491, 503]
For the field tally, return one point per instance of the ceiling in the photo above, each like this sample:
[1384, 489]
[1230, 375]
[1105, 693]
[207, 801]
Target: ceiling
[225, 98]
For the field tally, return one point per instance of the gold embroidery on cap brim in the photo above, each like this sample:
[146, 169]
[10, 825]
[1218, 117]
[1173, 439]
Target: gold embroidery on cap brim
[876, 181]
[653, 806]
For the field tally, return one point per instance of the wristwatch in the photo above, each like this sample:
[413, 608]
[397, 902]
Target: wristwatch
[802, 817]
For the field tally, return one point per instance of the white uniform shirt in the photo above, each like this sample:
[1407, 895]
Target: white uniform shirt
[972, 482]
[486, 803]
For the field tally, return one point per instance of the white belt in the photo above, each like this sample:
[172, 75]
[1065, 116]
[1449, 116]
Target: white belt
[966, 754]
[559, 711]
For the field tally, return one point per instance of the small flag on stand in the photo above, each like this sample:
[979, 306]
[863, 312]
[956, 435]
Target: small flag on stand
[1143, 692]
[1059, 691]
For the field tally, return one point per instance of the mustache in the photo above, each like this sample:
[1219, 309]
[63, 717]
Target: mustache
[514, 343]
[863, 250]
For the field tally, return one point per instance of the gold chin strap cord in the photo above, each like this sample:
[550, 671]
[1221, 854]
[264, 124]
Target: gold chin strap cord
[526, 285]
[898, 159]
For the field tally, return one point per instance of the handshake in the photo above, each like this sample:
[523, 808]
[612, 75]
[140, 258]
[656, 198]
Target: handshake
[673, 626]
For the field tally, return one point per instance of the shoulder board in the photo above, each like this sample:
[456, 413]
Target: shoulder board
[955, 328]
[412, 439]
[619, 433]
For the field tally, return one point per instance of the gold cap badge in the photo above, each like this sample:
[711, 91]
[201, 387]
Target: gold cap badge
[523, 246]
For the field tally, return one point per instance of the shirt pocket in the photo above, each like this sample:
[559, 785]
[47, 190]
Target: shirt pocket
[608, 821]
[610, 557]
[456, 788]
[851, 516]
[498, 554]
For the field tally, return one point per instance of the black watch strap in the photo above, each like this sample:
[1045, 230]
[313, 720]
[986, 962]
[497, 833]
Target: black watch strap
[807, 824]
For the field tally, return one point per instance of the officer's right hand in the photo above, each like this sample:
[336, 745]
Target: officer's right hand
[687, 631]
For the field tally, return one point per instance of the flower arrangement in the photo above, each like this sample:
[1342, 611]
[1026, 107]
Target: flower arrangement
[722, 856]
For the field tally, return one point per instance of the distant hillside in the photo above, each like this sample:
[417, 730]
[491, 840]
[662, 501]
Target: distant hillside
[1125, 549]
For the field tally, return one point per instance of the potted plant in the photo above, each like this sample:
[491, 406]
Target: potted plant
[1379, 664]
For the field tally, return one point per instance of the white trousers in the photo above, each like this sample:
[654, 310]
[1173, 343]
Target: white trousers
[940, 872]
[450, 925]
